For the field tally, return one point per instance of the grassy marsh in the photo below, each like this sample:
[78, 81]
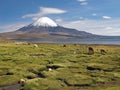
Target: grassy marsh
[71, 66]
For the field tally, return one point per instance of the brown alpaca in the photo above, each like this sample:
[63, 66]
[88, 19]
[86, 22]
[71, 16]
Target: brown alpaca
[90, 51]
[64, 45]
[102, 51]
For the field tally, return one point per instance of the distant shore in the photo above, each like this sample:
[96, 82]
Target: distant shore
[99, 40]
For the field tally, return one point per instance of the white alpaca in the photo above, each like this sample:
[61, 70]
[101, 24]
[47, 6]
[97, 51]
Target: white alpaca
[35, 45]
[50, 69]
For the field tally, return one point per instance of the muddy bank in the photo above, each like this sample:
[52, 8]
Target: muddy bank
[11, 87]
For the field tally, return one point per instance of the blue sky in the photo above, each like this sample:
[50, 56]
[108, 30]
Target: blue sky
[96, 16]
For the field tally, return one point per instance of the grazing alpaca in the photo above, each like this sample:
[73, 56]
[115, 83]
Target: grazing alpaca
[49, 69]
[90, 51]
[102, 51]
[22, 81]
[35, 45]
[64, 45]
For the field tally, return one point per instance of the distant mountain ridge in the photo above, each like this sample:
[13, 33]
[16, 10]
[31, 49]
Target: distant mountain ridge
[46, 28]
[53, 30]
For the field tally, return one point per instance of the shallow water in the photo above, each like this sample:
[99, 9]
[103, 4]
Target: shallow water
[93, 40]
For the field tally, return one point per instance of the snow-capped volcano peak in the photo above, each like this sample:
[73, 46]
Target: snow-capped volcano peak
[45, 22]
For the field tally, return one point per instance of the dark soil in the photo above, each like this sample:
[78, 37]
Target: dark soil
[11, 87]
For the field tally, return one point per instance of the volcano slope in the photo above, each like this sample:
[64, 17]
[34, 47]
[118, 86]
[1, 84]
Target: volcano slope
[59, 67]
[45, 28]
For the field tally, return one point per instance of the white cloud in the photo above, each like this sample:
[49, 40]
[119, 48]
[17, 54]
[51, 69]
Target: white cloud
[106, 17]
[12, 27]
[45, 11]
[83, 2]
[58, 20]
[35, 18]
[94, 14]
[100, 27]
[108, 28]
[81, 18]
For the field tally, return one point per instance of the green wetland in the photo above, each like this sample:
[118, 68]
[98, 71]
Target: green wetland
[60, 67]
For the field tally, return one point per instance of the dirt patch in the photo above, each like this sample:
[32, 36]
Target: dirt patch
[101, 85]
[37, 55]
[11, 87]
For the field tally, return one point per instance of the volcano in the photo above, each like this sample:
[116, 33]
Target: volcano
[45, 27]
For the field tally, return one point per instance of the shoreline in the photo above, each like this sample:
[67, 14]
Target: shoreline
[66, 43]
[89, 41]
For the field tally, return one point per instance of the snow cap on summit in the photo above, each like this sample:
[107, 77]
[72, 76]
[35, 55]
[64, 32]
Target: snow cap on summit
[45, 22]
